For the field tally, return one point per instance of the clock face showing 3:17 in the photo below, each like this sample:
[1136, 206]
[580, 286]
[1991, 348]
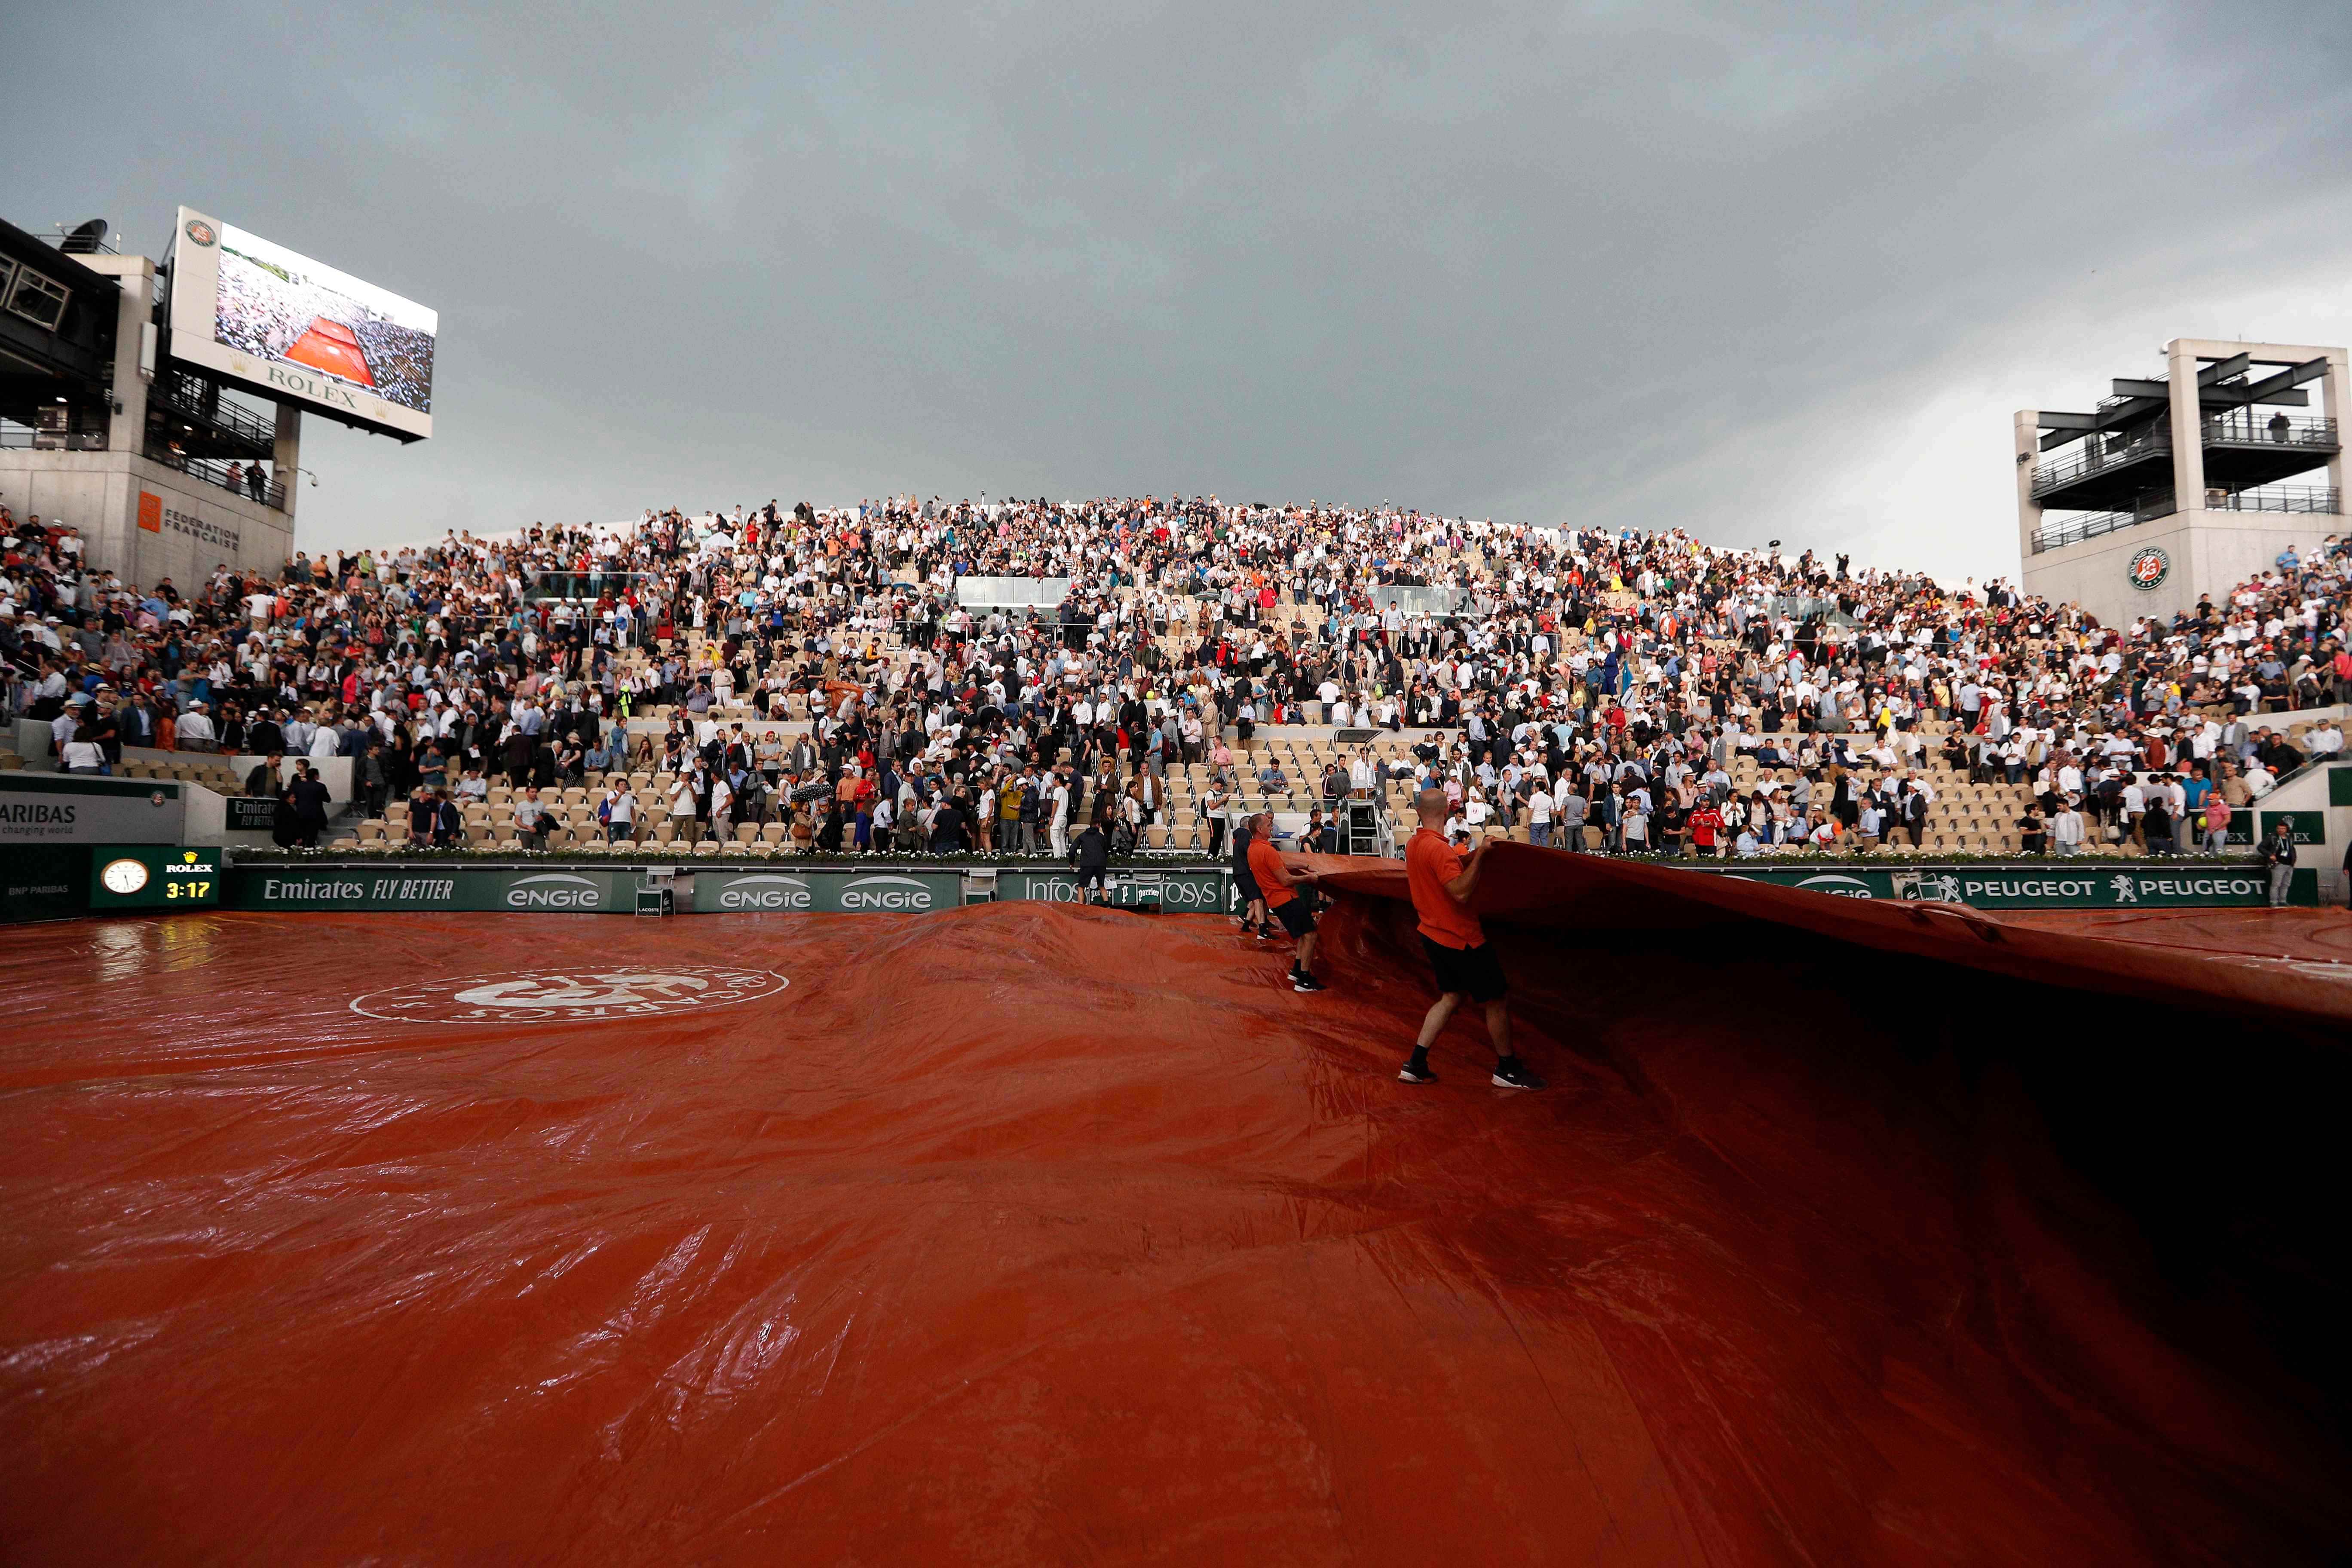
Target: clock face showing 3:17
[124, 877]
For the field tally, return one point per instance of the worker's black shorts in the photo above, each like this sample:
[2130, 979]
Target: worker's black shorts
[1296, 917]
[1090, 876]
[1471, 971]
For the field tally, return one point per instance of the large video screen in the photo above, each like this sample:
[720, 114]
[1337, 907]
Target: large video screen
[290, 327]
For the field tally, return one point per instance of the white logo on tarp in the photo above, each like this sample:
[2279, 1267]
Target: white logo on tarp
[530, 995]
[1838, 887]
[555, 890]
[765, 892]
[887, 893]
[2126, 890]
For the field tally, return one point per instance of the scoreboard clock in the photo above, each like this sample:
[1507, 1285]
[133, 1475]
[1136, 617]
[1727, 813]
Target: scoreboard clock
[153, 876]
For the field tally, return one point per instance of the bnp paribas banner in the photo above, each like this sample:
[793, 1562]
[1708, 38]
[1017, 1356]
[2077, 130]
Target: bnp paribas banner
[1202, 890]
[824, 892]
[75, 808]
[552, 892]
[2060, 885]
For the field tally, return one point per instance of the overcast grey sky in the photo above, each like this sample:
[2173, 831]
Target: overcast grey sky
[1763, 272]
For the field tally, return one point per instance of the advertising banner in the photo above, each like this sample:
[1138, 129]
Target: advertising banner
[249, 814]
[43, 881]
[552, 892]
[2303, 826]
[1202, 890]
[288, 327]
[144, 876]
[74, 808]
[824, 892]
[2061, 884]
[1011, 592]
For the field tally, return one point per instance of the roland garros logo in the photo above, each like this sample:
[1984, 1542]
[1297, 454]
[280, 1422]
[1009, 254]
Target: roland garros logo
[539, 995]
[201, 232]
[2149, 568]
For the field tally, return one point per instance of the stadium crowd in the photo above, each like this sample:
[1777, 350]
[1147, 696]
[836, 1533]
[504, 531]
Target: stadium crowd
[813, 670]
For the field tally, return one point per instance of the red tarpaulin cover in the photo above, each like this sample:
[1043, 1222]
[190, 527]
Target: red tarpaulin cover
[334, 348]
[1029, 1234]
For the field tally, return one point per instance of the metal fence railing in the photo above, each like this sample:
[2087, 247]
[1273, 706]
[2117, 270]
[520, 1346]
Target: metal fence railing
[193, 401]
[2100, 453]
[2277, 497]
[205, 470]
[2252, 428]
[2074, 529]
[2082, 526]
[21, 438]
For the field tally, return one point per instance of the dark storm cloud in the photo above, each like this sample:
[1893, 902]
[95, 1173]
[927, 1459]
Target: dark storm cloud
[1650, 264]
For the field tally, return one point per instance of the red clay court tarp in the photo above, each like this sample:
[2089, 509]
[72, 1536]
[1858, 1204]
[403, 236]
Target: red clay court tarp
[1029, 1234]
[2295, 965]
[334, 348]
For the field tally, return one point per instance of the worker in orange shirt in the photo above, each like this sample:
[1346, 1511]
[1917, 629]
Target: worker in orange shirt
[1442, 884]
[1280, 883]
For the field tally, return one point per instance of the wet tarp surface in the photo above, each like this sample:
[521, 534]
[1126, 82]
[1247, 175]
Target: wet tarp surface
[1030, 1234]
[334, 348]
[2295, 965]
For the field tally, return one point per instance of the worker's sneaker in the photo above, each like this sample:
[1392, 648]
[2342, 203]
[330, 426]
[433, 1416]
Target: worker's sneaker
[1302, 981]
[1512, 1073]
[1412, 1074]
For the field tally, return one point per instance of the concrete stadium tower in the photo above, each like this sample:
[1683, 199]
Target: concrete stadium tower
[2173, 487]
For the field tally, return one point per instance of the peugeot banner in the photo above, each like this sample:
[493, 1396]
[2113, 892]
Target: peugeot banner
[2058, 884]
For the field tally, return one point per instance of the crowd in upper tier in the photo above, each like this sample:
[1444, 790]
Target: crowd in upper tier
[1624, 669]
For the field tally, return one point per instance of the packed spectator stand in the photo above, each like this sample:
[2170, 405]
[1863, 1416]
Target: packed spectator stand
[773, 681]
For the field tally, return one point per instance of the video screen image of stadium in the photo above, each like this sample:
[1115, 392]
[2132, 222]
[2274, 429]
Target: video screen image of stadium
[334, 348]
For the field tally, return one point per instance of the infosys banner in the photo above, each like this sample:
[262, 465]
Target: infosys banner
[824, 892]
[1202, 890]
[2058, 885]
[566, 892]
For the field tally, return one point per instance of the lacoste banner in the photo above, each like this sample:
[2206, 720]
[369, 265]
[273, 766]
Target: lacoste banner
[826, 892]
[1202, 890]
[2060, 885]
[552, 892]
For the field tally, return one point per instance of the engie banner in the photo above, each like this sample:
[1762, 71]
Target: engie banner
[824, 892]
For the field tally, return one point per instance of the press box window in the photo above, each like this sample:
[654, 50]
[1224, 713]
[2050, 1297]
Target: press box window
[38, 299]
